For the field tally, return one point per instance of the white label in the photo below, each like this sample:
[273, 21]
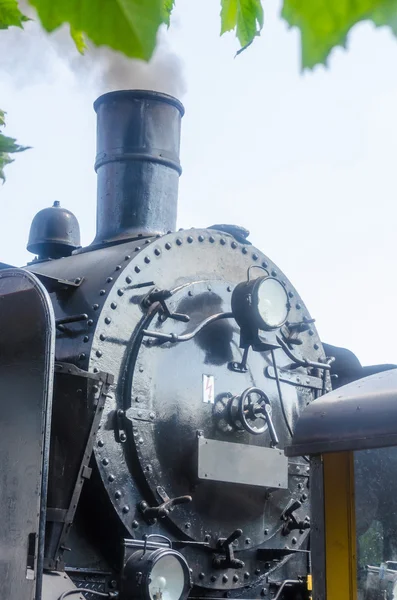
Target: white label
[208, 389]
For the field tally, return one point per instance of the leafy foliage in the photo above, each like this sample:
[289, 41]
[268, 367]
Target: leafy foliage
[10, 15]
[245, 16]
[325, 24]
[7, 146]
[128, 26]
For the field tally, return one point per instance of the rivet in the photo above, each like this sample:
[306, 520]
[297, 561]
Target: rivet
[117, 495]
[233, 245]
[294, 540]
[209, 288]
[102, 337]
[311, 332]
[304, 496]
[148, 468]
[291, 294]
[95, 306]
[123, 437]
[77, 280]
[151, 415]
[137, 249]
[140, 441]
[247, 541]
[85, 338]
[225, 578]
[108, 320]
[264, 591]
[82, 356]
[147, 260]
[111, 478]
[300, 486]
[187, 525]
[137, 269]
[147, 241]
[246, 575]
[211, 239]
[102, 292]
[98, 353]
[266, 532]
[113, 305]
[201, 575]
[244, 250]
[105, 461]
[257, 571]
[96, 370]
[90, 322]
[109, 280]
[235, 578]
[207, 538]
[128, 279]
[255, 256]
[316, 346]
[118, 267]
[168, 246]
[127, 257]
[135, 524]
[229, 288]
[190, 293]
[264, 264]
[222, 241]
[189, 239]
[213, 578]
[101, 443]
[157, 252]
[126, 509]
[201, 238]
[298, 306]
[179, 241]
[274, 273]
[120, 292]
[141, 369]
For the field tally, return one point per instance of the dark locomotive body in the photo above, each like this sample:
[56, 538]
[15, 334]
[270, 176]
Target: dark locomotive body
[167, 420]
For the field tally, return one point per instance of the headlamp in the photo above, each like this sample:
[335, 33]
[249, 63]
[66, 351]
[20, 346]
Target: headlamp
[156, 572]
[259, 305]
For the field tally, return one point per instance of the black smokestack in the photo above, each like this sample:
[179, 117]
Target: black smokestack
[137, 163]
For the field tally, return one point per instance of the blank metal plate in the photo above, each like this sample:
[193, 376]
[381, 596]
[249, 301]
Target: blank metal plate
[243, 464]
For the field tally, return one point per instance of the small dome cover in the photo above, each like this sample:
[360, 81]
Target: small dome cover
[54, 233]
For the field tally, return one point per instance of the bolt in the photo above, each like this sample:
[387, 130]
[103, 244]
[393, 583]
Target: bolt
[247, 541]
[135, 524]
[157, 252]
[113, 583]
[225, 578]
[223, 241]
[120, 292]
[246, 575]
[127, 257]
[137, 248]
[274, 273]
[113, 305]
[128, 279]
[82, 356]
[294, 540]
[213, 578]
[244, 250]
[201, 575]
[187, 525]
[98, 353]
[168, 246]
[255, 256]
[178, 241]
[189, 239]
[148, 468]
[201, 238]
[102, 337]
[102, 292]
[257, 571]
[90, 322]
[108, 320]
[264, 264]
[137, 269]
[291, 294]
[298, 306]
[101, 443]
[233, 245]
[126, 509]
[211, 239]
[118, 267]
[77, 280]
[85, 338]
[95, 306]
[117, 495]
[109, 280]
[190, 293]
[235, 578]
[151, 415]
[207, 538]
[304, 496]
[266, 532]
[123, 437]
[264, 591]
[105, 461]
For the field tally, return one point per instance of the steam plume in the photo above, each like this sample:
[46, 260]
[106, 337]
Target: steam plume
[32, 56]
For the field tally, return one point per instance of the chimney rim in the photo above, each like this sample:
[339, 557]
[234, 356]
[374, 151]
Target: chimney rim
[139, 94]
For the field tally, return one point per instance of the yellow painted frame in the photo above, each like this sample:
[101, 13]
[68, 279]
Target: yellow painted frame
[340, 529]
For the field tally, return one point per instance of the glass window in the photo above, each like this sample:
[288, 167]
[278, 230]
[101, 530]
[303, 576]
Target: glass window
[375, 474]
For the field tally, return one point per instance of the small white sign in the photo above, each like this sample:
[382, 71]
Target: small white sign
[208, 389]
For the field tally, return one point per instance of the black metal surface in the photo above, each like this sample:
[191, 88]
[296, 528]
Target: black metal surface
[26, 373]
[54, 233]
[357, 416]
[137, 164]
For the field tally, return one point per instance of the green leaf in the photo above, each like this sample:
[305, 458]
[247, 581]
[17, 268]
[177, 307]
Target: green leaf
[128, 26]
[325, 24]
[7, 146]
[168, 6]
[245, 16]
[10, 15]
[79, 40]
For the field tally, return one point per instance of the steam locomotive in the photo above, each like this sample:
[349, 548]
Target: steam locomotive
[152, 380]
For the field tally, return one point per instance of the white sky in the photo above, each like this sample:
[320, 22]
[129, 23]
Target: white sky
[306, 162]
